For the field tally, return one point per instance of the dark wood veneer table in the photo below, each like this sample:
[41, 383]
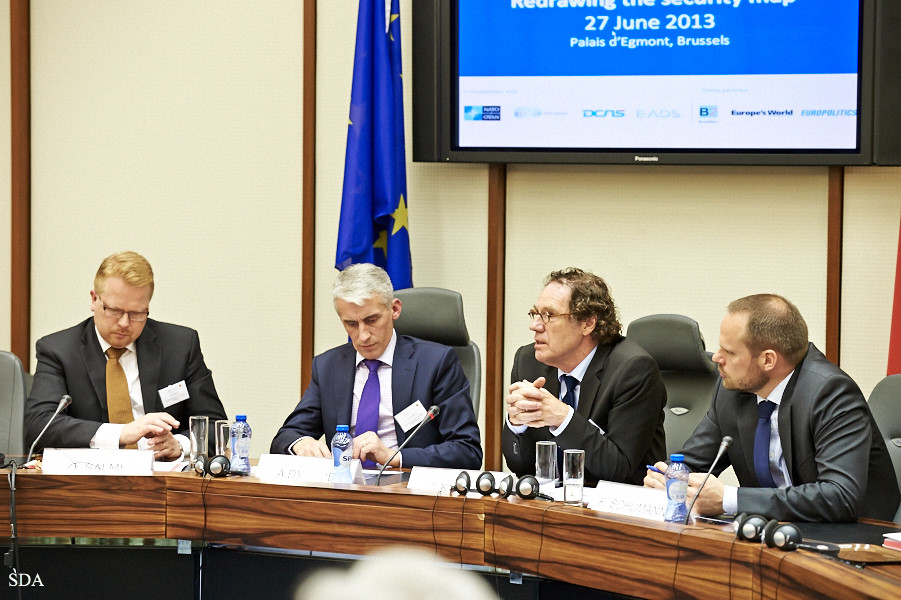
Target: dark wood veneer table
[577, 545]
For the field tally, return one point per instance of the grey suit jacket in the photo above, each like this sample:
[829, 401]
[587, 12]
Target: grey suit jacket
[839, 467]
[71, 362]
[622, 393]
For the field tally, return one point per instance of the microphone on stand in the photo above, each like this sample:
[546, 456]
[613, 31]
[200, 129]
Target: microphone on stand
[433, 412]
[65, 401]
[724, 444]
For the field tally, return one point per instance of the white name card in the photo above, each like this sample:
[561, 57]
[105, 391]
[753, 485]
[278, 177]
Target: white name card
[434, 479]
[630, 500]
[297, 470]
[96, 461]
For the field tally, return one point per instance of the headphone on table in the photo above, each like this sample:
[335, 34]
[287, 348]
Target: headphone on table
[485, 484]
[785, 536]
[218, 466]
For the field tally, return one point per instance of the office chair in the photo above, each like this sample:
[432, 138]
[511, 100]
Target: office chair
[676, 343]
[885, 404]
[436, 314]
[12, 404]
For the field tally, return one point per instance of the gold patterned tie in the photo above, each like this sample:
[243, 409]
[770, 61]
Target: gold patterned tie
[118, 402]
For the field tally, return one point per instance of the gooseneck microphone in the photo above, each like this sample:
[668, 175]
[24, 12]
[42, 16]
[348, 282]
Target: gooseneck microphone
[65, 401]
[433, 412]
[724, 445]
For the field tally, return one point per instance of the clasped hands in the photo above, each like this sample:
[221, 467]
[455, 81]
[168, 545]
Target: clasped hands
[157, 429]
[367, 446]
[528, 403]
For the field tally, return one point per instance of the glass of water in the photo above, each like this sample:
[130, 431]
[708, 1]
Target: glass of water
[573, 476]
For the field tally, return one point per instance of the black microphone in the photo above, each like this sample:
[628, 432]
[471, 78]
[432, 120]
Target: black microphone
[727, 441]
[65, 401]
[433, 412]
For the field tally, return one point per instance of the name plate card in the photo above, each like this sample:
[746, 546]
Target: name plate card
[297, 470]
[630, 500]
[434, 479]
[96, 461]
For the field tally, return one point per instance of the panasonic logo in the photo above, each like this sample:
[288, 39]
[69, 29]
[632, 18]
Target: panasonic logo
[647, 158]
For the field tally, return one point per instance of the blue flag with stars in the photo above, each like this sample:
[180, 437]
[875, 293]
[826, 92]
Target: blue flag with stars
[373, 222]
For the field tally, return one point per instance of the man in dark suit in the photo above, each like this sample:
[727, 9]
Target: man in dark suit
[382, 384]
[163, 377]
[612, 409]
[805, 447]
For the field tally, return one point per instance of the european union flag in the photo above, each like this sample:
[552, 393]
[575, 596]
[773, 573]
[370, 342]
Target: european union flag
[373, 225]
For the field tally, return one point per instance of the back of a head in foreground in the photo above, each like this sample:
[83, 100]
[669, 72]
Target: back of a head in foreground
[398, 574]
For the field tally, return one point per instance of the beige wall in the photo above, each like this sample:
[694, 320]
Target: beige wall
[174, 128]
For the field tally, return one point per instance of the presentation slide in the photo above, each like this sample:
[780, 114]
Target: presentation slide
[658, 74]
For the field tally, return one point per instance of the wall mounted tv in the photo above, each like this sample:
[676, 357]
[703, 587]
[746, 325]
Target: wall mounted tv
[644, 81]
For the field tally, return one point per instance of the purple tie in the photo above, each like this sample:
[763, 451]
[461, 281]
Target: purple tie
[368, 410]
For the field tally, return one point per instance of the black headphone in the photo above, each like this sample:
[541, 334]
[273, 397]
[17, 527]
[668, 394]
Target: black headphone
[218, 466]
[484, 484]
[749, 527]
[527, 488]
[786, 536]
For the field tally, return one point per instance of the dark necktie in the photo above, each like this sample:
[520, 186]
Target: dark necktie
[368, 410]
[569, 398]
[762, 444]
[118, 401]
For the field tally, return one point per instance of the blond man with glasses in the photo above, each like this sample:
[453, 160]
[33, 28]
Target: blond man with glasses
[133, 381]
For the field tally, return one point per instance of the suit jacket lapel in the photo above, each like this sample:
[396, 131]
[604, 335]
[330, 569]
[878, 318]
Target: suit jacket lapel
[785, 427]
[342, 388]
[591, 383]
[747, 424]
[94, 361]
[402, 372]
[150, 355]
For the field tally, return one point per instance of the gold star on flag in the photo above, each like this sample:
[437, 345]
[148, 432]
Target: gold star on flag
[400, 216]
[382, 241]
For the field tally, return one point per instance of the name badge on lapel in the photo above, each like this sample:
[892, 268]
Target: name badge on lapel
[174, 394]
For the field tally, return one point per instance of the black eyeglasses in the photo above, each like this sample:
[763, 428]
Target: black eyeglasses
[545, 315]
[116, 313]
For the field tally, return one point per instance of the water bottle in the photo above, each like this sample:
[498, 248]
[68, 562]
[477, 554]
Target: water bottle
[342, 454]
[240, 443]
[676, 489]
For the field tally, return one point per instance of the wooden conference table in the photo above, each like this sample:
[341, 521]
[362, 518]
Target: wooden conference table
[599, 550]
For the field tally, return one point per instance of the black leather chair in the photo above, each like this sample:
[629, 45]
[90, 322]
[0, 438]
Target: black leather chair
[436, 314]
[676, 343]
[12, 404]
[885, 404]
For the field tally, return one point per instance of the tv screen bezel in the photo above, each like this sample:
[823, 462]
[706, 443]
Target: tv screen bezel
[434, 112]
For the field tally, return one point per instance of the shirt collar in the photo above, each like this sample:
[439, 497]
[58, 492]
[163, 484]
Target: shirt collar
[776, 395]
[387, 356]
[581, 368]
[104, 345]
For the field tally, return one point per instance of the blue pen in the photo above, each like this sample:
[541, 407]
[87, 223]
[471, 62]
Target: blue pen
[655, 469]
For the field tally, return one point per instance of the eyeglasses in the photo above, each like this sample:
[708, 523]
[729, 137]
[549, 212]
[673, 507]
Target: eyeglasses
[116, 313]
[545, 315]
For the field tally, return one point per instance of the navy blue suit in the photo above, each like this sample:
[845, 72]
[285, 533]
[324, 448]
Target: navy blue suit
[71, 362]
[423, 371]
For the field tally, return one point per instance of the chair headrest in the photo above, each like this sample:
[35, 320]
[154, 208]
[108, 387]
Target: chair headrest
[432, 314]
[675, 342]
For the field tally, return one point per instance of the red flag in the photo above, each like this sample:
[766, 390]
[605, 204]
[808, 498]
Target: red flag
[894, 342]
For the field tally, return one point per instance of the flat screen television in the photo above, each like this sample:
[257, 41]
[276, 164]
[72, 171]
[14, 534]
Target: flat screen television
[644, 81]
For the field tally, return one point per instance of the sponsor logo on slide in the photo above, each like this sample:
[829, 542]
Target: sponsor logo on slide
[602, 113]
[481, 113]
[658, 113]
[763, 113]
[829, 112]
[708, 112]
[526, 112]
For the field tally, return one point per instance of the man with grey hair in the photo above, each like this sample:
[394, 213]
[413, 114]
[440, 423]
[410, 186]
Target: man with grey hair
[382, 384]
